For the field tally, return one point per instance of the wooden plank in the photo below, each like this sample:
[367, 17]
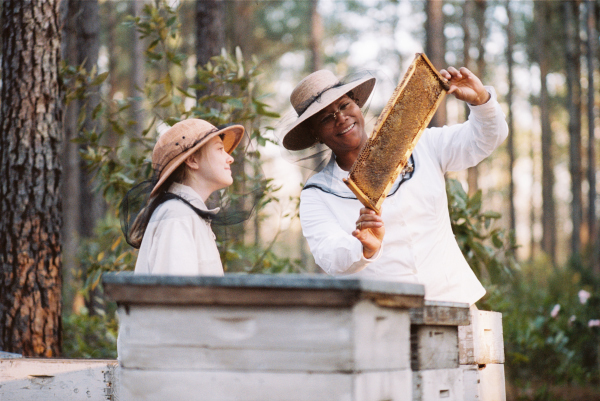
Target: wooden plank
[29, 379]
[259, 290]
[434, 347]
[430, 385]
[381, 337]
[482, 341]
[484, 382]
[367, 337]
[436, 313]
[163, 385]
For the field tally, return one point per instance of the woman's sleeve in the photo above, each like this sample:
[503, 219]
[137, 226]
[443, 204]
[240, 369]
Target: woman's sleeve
[461, 146]
[176, 248]
[335, 250]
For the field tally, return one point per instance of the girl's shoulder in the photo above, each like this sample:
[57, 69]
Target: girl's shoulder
[173, 209]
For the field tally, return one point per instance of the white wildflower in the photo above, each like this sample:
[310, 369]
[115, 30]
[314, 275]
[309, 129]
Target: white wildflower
[583, 296]
[555, 310]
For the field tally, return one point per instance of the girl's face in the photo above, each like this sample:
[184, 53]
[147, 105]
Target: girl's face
[214, 165]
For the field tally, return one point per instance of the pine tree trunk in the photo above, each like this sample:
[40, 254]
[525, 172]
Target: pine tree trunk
[548, 215]
[573, 67]
[70, 188]
[30, 142]
[592, 45]
[511, 124]
[210, 29]
[138, 73]
[316, 36]
[480, 6]
[92, 205]
[435, 49]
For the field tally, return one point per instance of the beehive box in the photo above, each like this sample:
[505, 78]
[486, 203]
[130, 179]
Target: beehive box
[263, 337]
[396, 132]
[482, 341]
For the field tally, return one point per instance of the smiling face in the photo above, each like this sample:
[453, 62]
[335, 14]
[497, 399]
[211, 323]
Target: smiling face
[340, 126]
[209, 169]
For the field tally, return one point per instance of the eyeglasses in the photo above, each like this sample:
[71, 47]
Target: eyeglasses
[328, 120]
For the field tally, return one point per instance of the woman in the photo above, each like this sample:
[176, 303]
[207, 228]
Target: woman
[411, 240]
[191, 160]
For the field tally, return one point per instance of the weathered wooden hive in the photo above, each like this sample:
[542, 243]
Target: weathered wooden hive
[396, 132]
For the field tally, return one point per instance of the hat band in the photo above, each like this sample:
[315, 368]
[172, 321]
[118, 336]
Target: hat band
[315, 98]
[160, 168]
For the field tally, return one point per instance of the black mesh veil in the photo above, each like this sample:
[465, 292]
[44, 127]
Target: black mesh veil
[230, 206]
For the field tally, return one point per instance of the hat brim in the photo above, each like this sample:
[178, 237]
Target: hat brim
[232, 136]
[298, 137]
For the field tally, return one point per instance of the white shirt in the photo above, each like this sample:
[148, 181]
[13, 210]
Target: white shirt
[177, 241]
[418, 246]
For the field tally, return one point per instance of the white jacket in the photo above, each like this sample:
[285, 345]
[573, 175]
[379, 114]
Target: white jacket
[418, 246]
[177, 241]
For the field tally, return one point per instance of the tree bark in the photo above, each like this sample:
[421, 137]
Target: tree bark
[210, 29]
[435, 49]
[138, 73]
[548, 214]
[511, 124]
[92, 205]
[210, 36]
[573, 71]
[316, 36]
[480, 6]
[592, 45]
[71, 175]
[30, 141]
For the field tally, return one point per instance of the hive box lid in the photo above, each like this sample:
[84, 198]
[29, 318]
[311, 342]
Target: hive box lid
[258, 289]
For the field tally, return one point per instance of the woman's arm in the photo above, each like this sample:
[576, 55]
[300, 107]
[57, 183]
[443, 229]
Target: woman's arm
[334, 247]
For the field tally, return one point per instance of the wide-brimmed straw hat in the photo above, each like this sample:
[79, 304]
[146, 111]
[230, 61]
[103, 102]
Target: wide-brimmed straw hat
[182, 140]
[313, 94]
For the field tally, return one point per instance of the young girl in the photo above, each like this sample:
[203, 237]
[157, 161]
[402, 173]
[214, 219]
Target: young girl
[191, 160]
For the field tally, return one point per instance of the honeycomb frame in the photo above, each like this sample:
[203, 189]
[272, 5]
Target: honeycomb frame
[397, 132]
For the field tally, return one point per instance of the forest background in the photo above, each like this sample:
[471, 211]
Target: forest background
[525, 218]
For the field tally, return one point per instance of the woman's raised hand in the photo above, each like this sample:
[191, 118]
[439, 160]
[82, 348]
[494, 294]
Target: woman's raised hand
[369, 231]
[465, 85]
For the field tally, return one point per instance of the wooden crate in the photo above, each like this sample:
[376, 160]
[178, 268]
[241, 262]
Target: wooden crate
[184, 385]
[434, 347]
[484, 382]
[364, 337]
[33, 379]
[433, 385]
[482, 341]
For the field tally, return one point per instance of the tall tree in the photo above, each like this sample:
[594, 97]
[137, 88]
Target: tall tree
[30, 220]
[573, 71]
[435, 48]
[210, 29]
[138, 72]
[82, 207]
[70, 186]
[510, 40]
[548, 214]
[479, 16]
[316, 36]
[592, 45]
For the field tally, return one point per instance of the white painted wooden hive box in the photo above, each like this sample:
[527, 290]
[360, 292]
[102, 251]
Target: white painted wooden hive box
[263, 337]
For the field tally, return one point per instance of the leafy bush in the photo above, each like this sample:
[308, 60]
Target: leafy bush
[119, 158]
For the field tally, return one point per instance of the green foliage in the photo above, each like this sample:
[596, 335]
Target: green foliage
[119, 157]
[550, 324]
[86, 336]
[488, 250]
